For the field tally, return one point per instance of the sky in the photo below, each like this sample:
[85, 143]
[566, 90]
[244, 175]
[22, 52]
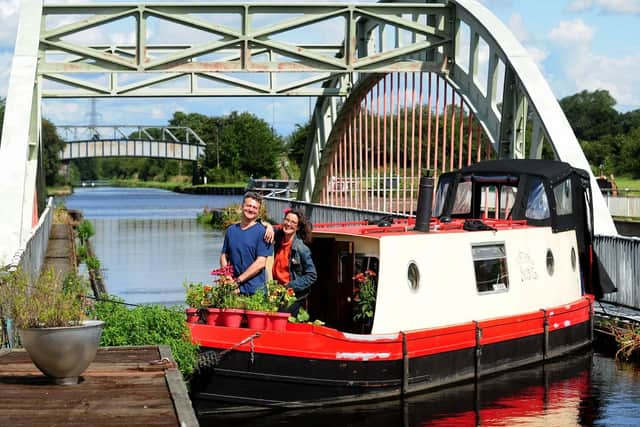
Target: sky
[577, 44]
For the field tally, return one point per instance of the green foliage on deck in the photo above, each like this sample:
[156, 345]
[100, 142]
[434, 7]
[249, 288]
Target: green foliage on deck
[148, 325]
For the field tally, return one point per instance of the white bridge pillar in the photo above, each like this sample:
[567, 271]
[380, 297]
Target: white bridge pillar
[20, 137]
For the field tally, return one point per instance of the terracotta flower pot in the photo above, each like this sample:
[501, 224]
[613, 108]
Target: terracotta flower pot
[213, 316]
[231, 317]
[256, 319]
[278, 321]
[192, 315]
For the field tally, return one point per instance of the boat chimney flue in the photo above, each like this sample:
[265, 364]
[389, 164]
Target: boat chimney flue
[425, 201]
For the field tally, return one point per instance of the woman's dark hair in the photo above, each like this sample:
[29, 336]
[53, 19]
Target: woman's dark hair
[304, 225]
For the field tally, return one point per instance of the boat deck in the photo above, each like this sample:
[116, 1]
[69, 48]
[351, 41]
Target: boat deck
[403, 226]
[123, 386]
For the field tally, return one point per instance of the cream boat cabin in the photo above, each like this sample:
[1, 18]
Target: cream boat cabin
[496, 274]
[427, 280]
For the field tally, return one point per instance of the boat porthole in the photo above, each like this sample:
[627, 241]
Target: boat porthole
[413, 276]
[573, 259]
[550, 262]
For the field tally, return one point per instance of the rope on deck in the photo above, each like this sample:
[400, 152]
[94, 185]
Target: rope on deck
[210, 359]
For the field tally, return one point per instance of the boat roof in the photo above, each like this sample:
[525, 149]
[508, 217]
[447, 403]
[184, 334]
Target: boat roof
[552, 170]
[405, 226]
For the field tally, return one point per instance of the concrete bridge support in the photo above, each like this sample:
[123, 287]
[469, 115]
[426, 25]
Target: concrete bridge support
[20, 148]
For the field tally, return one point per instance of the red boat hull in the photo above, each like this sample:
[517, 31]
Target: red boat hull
[309, 365]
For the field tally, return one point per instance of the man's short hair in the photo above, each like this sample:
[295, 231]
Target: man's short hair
[252, 195]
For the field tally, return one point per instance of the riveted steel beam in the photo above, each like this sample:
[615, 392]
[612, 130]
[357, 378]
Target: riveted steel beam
[225, 48]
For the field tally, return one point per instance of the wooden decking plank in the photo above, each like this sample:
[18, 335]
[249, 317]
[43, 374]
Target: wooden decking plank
[117, 389]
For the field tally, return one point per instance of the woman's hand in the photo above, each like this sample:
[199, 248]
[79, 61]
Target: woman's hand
[269, 233]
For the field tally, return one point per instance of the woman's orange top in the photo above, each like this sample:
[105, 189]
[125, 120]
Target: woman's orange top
[281, 263]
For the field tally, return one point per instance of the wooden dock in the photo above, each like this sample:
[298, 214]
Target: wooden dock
[123, 386]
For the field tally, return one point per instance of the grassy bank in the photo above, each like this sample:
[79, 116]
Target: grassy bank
[59, 190]
[173, 185]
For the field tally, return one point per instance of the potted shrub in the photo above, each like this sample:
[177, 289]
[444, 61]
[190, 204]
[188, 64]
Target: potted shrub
[256, 307]
[365, 300]
[280, 298]
[232, 310]
[225, 297]
[194, 295]
[51, 318]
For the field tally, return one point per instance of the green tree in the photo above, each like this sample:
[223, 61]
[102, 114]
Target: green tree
[630, 120]
[87, 168]
[297, 142]
[629, 161]
[52, 145]
[250, 145]
[591, 114]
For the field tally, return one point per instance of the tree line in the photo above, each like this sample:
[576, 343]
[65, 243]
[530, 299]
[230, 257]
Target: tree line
[241, 145]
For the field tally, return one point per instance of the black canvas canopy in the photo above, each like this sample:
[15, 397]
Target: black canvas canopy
[560, 191]
[552, 170]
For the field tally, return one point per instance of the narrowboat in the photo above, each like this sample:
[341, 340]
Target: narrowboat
[494, 272]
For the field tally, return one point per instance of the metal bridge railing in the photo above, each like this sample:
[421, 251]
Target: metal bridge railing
[620, 256]
[318, 213]
[623, 205]
[30, 257]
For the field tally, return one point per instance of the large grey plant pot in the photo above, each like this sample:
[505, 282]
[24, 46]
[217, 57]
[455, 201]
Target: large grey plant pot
[63, 353]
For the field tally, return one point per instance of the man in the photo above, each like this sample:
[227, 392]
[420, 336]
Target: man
[245, 249]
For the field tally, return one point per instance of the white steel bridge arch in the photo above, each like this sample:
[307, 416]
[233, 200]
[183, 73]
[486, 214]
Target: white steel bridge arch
[510, 95]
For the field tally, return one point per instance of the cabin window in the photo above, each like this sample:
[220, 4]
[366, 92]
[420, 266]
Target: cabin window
[365, 262]
[440, 199]
[462, 203]
[562, 194]
[496, 201]
[537, 203]
[490, 265]
[413, 276]
[550, 262]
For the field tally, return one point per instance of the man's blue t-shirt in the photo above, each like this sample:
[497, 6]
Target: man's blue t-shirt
[243, 247]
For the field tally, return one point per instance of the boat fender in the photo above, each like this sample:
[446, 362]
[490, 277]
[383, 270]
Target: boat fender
[476, 225]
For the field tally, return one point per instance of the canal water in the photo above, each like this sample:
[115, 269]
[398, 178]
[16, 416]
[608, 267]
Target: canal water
[149, 244]
[148, 241]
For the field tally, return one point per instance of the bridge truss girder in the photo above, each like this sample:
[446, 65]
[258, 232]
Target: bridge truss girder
[226, 53]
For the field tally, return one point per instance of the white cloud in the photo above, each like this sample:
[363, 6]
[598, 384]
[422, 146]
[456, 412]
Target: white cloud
[586, 70]
[579, 5]
[534, 48]
[620, 6]
[592, 72]
[518, 28]
[572, 33]
[609, 6]
[9, 20]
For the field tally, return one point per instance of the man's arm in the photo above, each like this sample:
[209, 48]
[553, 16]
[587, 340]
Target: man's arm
[255, 268]
[223, 260]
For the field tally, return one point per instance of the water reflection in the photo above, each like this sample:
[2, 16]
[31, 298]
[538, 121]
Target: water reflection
[148, 241]
[556, 394]
[147, 260]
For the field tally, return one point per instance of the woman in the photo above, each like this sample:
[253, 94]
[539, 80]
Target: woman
[292, 263]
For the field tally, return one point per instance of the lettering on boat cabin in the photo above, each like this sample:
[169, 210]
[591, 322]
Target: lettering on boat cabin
[528, 271]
